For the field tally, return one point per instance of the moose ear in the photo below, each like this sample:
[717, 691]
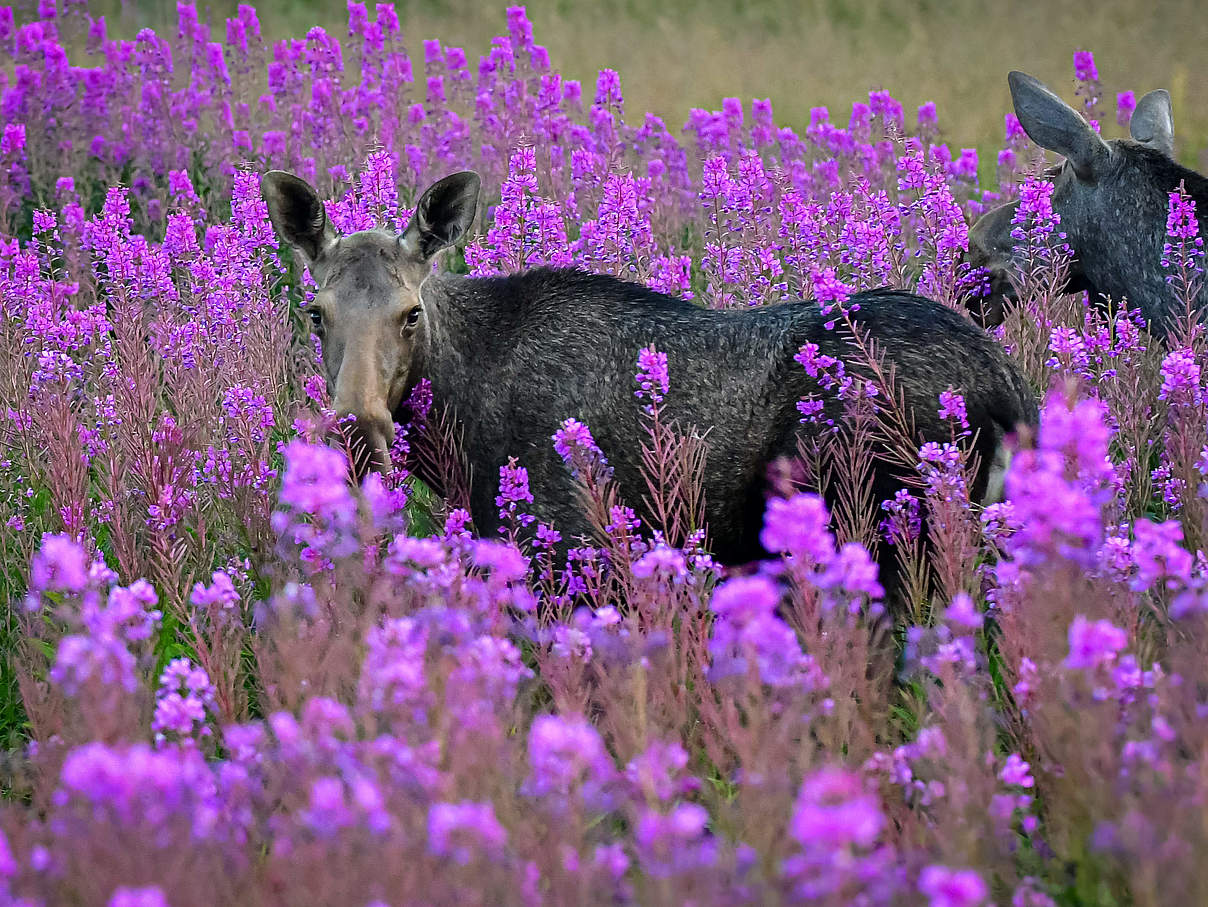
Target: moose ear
[297, 213]
[443, 215]
[1152, 122]
[1053, 124]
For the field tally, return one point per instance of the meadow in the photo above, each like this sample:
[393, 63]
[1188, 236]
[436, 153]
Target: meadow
[231, 677]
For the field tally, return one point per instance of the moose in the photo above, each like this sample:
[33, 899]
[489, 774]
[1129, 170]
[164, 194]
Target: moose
[1112, 197]
[514, 356]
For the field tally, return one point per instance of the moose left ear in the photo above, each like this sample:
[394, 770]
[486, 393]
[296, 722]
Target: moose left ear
[1152, 122]
[443, 215]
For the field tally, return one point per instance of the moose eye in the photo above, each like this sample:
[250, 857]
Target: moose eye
[316, 318]
[413, 317]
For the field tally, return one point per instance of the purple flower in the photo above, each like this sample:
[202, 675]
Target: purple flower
[1084, 66]
[962, 613]
[652, 378]
[314, 481]
[674, 843]
[1017, 772]
[60, 565]
[833, 810]
[513, 494]
[946, 887]
[952, 407]
[85, 660]
[8, 863]
[13, 139]
[656, 771]
[577, 448]
[1159, 556]
[1126, 103]
[1093, 643]
[745, 598]
[1181, 379]
[138, 897]
[462, 831]
[568, 758]
[798, 526]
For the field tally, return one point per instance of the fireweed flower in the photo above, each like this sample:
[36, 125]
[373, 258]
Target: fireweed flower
[652, 378]
[577, 448]
[952, 407]
[1035, 226]
[320, 514]
[674, 843]
[1084, 66]
[513, 494]
[1093, 643]
[1126, 103]
[568, 759]
[837, 825]
[946, 887]
[464, 831]
[1159, 555]
[658, 771]
[1181, 379]
[138, 897]
[59, 566]
[798, 526]
[185, 693]
[1016, 772]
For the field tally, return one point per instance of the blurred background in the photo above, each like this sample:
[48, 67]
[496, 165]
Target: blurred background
[677, 54]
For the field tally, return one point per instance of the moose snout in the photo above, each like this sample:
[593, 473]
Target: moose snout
[990, 249]
[368, 435]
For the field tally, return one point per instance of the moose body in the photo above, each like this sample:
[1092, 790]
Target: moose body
[1112, 197]
[513, 357]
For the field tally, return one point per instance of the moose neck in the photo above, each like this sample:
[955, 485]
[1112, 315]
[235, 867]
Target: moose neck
[463, 340]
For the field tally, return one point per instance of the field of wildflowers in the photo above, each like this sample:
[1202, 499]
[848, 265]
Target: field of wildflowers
[230, 677]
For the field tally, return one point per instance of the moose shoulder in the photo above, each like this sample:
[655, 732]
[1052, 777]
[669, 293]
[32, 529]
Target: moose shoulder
[515, 356]
[1112, 197]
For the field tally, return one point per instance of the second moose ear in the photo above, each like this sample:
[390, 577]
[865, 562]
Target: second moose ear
[297, 213]
[443, 215]
[1053, 124]
[1152, 122]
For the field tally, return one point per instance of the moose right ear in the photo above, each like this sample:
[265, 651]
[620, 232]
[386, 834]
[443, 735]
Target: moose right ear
[1152, 122]
[297, 213]
[1053, 124]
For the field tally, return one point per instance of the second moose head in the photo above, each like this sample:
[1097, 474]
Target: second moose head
[1112, 197]
[369, 308]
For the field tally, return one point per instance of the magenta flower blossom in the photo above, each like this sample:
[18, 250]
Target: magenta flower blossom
[464, 831]
[513, 495]
[834, 810]
[577, 448]
[138, 897]
[674, 843]
[1093, 643]
[1126, 103]
[1084, 66]
[952, 407]
[59, 566]
[1016, 772]
[946, 887]
[652, 378]
[798, 526]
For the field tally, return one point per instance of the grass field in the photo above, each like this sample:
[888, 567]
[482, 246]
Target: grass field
[681, 54]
